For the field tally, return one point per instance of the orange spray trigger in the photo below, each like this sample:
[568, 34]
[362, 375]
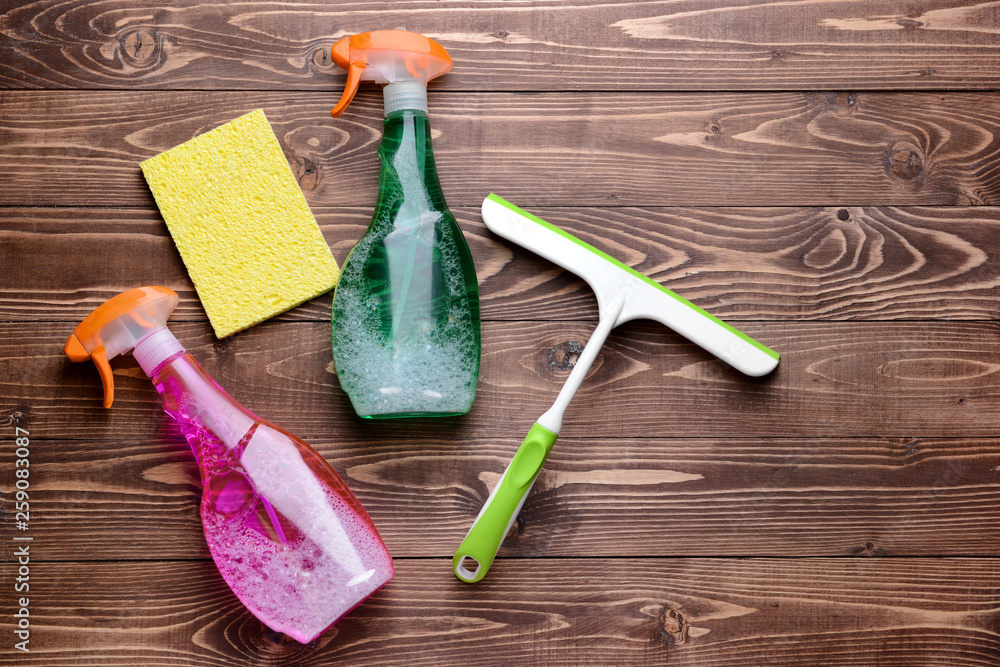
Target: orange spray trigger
[387, 57]
[75, 350]
[116, 326]
[354, 71]
[107, 378]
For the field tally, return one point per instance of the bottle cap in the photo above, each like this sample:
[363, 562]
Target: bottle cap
[117, 326]
[404, 95]
[388, 56]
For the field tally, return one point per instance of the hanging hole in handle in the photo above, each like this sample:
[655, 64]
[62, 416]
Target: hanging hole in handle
[463, 570]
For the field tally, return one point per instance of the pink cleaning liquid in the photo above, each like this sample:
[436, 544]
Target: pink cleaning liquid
[286, 533]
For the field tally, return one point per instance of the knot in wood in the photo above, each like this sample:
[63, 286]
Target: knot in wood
[673, 627]
[563, 357]
[322, 59]
[16, 417]
[306, 172]
[904, 161]
[139, 47]
[274, 638]
[843, 104]
[869, 550]
[274, 646]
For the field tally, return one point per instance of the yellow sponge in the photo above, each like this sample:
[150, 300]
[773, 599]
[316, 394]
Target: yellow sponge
[246, 235]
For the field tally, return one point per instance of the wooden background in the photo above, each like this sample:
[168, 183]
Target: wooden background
[825, 175]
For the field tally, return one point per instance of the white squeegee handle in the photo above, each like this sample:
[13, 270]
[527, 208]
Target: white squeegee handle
[552, 419]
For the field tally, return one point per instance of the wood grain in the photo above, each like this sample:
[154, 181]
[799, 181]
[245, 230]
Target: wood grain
[531, 45]
[709, 613]
[906, 379]
[857, 263]
[614, 497]
[65, 148]
[825, 174]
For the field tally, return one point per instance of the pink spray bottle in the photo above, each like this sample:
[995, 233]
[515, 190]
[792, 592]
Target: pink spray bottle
[288, 536]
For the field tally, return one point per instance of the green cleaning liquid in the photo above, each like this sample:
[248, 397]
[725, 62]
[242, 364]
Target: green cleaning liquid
[406, 334]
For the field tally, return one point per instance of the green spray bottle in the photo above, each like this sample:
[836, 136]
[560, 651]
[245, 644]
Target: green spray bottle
[406, 333]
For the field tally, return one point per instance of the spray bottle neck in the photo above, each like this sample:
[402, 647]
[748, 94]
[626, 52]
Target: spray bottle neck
[400, 95]
[408, 171]
[156, 348]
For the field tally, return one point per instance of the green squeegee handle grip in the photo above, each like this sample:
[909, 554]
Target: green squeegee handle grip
[484, 538]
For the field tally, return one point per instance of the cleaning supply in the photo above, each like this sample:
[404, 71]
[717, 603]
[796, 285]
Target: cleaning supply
[406, 338]
[623, 294]
[243, 228]
[288, 536]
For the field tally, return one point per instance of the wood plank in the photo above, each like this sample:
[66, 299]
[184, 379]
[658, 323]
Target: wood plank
[861, 263]
[615, 497]
[905, 379]
[532, 45]
[585, 149]
[843, 511]
[709, 613]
